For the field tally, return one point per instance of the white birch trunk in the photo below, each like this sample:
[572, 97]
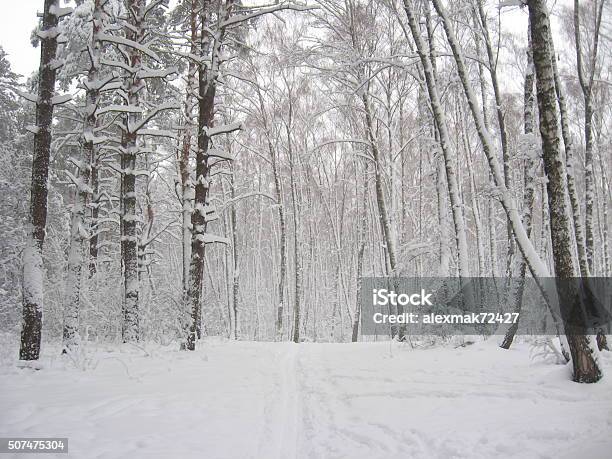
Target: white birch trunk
[507, 200]
[440, 118]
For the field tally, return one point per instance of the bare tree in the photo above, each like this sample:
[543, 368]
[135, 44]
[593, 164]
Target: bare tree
[529, 173]
[585, 78]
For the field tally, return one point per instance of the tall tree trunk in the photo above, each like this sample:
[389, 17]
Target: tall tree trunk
[492, 61]
[135, 31]
[361, 244]
[208, 75]
[95, 212]
[89, 154]
[585, 365]
[444, 139]
[529, 187]
[92, 96]
[297, 257]
[278, 192]
[235, 269]
[185, 153]
[570, 164]
[586, 84]
[493, 262]
[283, 244]
[33, 271]
[607, 262]
[473, 193]
[383, 215]
[206, 99]
[380, 193]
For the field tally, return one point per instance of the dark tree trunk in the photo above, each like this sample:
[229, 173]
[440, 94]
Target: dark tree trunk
[95, 213]
[208, 75]
[297, 252]
[33, 272]
[602, 341]
[198, 217]
[361, 244]
[129, 139]
[235, 269]
[283, 243]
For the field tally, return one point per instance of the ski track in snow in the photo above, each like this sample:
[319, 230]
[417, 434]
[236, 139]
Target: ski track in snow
[291, 408]
[311, 401]
[281, 423]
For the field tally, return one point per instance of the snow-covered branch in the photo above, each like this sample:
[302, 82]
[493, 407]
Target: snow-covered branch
[240, 18]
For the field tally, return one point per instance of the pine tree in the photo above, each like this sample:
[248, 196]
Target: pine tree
[33, 270]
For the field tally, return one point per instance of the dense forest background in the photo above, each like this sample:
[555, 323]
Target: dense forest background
[222, 168]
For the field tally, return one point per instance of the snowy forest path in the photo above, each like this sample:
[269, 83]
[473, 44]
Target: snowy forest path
[384, 400]
[256, 400]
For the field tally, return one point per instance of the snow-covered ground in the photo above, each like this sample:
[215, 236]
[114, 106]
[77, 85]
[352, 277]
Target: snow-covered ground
[281, 400]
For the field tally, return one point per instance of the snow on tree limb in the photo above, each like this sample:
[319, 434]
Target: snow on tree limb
[27, 96]
[194, 57]
[534, 260]
[120, 109]
[61, 99]
[47, 34]
[231, 202]
[158, 133]
[508, 3]
[100, 83]
[60, 12]
[151, 6]
[223, 129]
[207, 238]
[239, 18]
[81, 186]
[151, 73]
[135, 127]
[217, 153]
[130, 43]
[57, 63]
[115, 63]
[334, 141]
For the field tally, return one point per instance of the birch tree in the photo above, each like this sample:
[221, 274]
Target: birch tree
[444, 139]
[584, 360]
[531, 162]
[587, 70]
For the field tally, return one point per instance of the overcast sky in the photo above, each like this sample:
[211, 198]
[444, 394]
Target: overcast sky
[16, 25]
